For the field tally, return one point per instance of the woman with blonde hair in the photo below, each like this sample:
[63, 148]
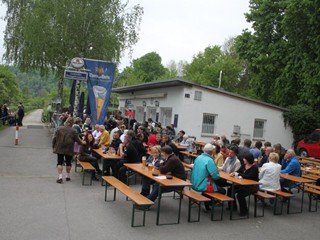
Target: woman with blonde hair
[153, 159]
[270, 174]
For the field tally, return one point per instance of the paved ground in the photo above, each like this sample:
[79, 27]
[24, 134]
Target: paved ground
[33, 206]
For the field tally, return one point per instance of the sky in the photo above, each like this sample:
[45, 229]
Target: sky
[179, 29]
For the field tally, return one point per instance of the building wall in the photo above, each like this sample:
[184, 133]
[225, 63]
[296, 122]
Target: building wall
[229, 111]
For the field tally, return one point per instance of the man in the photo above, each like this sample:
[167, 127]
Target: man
[129, 154]
[265, 157]
[255, 151]
[170, 165]
[20, 114]
[225, 141]
[63, 145]
[244, 149]
[204, 166]
[290, 165]
[181, 133]
[112, 163]
[116, 129]
[142, 130]
[105, 137]
[96, 134]
[152, 140]
[167, 142]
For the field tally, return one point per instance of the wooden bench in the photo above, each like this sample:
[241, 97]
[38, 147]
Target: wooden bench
[314, 195]
[261, 196]
[285, 196]
[197, 199]
[86, 167]
[310, 176]
[221, 199]
[139, 201]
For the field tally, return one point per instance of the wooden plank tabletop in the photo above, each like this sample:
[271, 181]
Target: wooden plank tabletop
[106, 155]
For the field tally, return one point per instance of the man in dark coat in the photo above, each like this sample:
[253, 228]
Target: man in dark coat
[63, 145]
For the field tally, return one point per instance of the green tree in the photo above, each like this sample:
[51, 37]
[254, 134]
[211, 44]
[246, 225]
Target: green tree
[9, 90]
[283, 51]
[206, 66]
[43, 35]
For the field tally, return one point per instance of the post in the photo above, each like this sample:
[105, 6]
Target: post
[17, 135]
[220, 78]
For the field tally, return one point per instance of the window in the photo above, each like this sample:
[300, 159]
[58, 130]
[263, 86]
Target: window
[208, 123]
[198, 95]
[165, 116]
[151, 113]
[139, 114]
[258, 128]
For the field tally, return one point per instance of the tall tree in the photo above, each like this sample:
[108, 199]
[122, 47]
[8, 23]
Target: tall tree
[206, 66]
[283, 51]
[46, 34]
[9, 90]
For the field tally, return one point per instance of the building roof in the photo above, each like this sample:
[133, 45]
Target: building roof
[180, 82]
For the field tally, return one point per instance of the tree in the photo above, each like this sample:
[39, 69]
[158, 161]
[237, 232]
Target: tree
[9, 90]
[43, 35]
[283, 51]
[206, 66]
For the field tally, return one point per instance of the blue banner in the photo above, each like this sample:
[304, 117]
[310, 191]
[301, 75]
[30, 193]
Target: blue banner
[100, 80]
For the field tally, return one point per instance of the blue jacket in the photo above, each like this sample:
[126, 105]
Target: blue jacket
[291, 166]
[203, 167]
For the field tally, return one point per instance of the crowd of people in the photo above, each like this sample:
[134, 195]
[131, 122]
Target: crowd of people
[130, 140]
[11, 118]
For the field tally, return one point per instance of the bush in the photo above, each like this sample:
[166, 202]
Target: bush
[302, 119]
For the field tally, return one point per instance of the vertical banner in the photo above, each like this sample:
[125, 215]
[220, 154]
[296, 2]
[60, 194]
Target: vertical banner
[100, 80]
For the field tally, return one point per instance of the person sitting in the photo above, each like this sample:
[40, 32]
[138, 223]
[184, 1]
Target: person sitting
[96, 133]
[104, 141]
[187, 143]
[232, 163]
[248, 170]
[152, 140]
[290, 165]
[269, 174]
[181, 133]
[244, 149]
[255, 151]
[170, 165]
[265, 157]
[129, 154]
[203, 167]
[85, 155]
[114, 147]
[167, 142]
[217, 156]
[153, 159]
[158, 139]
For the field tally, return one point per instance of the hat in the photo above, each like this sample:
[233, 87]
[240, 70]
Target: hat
[208, 147]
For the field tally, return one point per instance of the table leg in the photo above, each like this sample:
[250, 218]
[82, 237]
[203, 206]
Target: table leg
[158, 209]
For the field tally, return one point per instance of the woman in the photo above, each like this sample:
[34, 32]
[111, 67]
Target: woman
[85, 155]
[270, 174]
[248, 170]
[232, 163]
[153, 159]
[217, 156]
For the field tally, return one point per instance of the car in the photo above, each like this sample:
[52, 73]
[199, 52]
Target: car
[310, 145]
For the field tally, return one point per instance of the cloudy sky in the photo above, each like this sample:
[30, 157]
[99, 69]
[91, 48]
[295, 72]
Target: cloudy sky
[179, 29]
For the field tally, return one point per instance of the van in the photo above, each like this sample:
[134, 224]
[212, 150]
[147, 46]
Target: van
[310, 146]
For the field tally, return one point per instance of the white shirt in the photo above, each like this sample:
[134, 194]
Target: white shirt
[96, 135]
[270, 176]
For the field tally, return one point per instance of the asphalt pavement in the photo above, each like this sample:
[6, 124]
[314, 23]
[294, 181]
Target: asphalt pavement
[34, 207]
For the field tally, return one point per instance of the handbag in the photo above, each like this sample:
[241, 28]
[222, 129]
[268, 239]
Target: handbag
[210, 188]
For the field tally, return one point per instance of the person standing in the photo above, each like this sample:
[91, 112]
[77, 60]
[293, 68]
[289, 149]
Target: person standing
[20, 114]
[62, 144]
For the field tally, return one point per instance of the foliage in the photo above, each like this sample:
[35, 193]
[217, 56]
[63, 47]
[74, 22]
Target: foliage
[206, 66]
[283, 52]
[42, 35]
[9, 89]
[302, 120]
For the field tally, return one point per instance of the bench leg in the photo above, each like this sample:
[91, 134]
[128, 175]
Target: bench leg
[192, 202]
[311, 195]
[106, 194]
[83, 176]
[133, 213]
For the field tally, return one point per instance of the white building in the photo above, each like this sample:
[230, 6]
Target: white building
[202, 111]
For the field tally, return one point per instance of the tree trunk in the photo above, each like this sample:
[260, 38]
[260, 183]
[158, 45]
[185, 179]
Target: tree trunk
[60, 94]
[76, 99]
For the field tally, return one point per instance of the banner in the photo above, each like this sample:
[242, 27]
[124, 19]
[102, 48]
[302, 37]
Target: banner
[100, 80]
